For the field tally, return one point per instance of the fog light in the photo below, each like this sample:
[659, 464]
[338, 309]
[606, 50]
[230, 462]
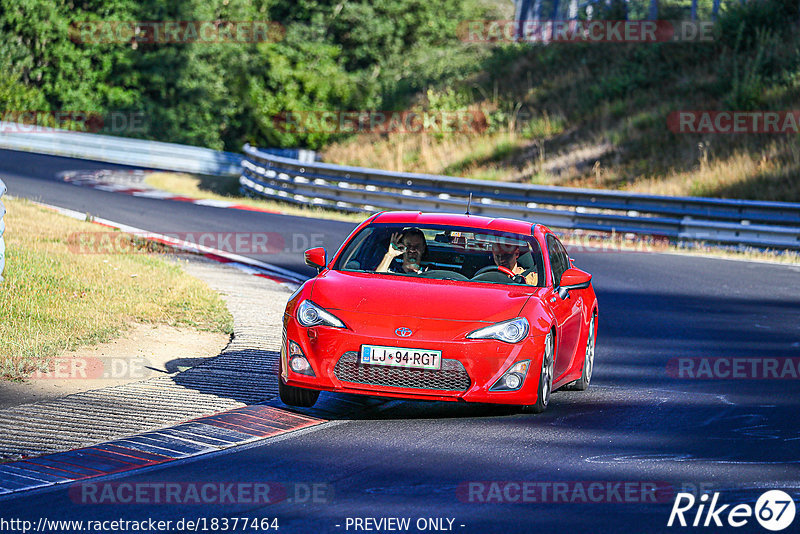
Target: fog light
[299, 364]
[513, 378]
[512, 381]
[297, 360]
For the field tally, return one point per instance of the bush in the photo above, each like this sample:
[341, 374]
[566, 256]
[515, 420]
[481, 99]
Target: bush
[739, 24]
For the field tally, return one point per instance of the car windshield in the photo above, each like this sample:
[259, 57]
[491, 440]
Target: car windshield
[446, 253]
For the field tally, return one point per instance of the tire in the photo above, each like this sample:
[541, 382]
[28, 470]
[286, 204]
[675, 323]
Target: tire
[588, 359]
[294, 396]
[545, 388]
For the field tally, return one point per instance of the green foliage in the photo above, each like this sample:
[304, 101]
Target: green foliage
[757, 49]
[366, 55]
[295, 76]
[15, 96]
[448, 99]
[70, 76]
[543, 127]
[336, 55]
[741, 22]
[747, 80]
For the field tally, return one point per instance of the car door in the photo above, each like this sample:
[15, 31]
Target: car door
[567, 311]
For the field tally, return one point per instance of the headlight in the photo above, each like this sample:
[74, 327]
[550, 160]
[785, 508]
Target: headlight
[512, 331]
[309, 314]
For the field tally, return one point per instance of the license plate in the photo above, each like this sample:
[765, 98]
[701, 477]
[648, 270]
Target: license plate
[401, 357]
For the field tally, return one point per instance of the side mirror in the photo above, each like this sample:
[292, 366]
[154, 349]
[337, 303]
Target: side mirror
[573, 279]
[316, 257]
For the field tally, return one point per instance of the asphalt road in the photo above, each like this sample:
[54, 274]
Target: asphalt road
[33, 176]
[643, 422]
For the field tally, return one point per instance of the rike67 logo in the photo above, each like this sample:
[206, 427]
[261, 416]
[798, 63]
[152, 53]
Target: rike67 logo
[774, 510]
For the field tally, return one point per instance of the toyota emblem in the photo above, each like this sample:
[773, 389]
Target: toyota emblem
[403, 331]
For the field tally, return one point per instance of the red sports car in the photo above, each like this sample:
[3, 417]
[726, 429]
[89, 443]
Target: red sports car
[441, 307]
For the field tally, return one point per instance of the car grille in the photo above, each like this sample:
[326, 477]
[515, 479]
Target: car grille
[451, 377]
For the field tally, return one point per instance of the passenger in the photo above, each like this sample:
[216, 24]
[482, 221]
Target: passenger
[411, 244]
[506, 255]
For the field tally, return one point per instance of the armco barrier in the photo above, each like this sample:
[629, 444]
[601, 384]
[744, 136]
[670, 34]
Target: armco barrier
[270, 174]
[122, 150]
[2, 230]
[738, 222]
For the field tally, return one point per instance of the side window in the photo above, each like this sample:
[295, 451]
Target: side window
[564, 258]
[556, 260]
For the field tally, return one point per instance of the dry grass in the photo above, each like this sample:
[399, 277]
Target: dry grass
[596, 116]
[55, 298]
[227, 188]
[767, 174]
[462, 155]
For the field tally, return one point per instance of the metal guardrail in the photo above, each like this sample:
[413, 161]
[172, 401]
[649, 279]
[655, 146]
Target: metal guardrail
[122, 150]
[302, 180]
[2, 230]
[738, 222]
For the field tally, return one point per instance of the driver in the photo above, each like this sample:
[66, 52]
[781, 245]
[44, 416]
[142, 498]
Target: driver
[411, 244]
[506, 255]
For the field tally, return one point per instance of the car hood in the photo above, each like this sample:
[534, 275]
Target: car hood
[402, 296]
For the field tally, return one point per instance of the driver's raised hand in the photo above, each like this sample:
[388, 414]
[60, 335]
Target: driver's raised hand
[396, 247]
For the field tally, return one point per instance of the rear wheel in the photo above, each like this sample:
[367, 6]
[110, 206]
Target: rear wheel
[545, 379]
[294, 396]
[588, 360]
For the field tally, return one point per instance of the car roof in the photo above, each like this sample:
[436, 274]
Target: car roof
[418, 218]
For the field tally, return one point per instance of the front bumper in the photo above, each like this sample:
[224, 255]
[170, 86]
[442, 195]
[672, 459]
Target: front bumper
[469, 367]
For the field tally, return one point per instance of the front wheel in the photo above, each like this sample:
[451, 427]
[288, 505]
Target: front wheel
[294, 396]
[545, 379]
